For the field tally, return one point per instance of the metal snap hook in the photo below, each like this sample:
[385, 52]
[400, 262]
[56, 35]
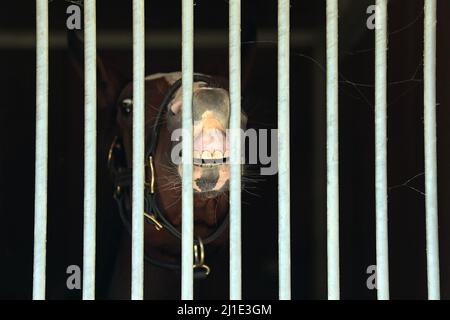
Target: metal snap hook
[199, 257]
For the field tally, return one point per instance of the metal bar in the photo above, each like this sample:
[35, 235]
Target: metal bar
[284, 225]
[41, 169]
[381, 151]
[137, 260]
[155, 40]
[431, 201]
[332, 151]
[235, 150]
[90, 149]
[187, 223]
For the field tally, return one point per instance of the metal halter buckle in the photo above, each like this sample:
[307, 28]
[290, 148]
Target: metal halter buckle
[156, 223]
[117, 192]
[111, 150]
[151, 183]
[199, 257]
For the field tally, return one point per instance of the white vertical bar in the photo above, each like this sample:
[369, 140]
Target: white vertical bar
[40, 193]
[137, 261]
[430, 150]
[332, 151]
[187, 223]
[381, 151]
[235, 146]
[90, 149]
[284, 225]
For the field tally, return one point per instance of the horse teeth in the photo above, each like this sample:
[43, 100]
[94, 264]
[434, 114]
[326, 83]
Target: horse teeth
[197, 154]
[206, 155]
[217, 154]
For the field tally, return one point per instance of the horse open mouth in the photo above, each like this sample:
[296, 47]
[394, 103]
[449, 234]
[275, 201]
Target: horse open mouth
[211, 149]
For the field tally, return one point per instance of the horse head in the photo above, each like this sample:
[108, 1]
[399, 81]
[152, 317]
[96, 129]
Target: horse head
[211, 170]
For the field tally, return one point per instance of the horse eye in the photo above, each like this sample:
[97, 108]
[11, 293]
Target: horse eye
[127, 106]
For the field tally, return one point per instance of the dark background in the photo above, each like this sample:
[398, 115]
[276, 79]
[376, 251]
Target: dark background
[308, 180]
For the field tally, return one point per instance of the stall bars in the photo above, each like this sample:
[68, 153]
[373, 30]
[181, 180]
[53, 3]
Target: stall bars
[39, 262]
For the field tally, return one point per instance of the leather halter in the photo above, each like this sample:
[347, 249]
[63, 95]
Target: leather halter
[122, 176]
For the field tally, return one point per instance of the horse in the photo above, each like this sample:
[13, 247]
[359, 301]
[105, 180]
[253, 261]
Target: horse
[211, 171]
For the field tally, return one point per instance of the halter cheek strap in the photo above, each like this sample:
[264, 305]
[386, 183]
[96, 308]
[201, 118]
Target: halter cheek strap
[122, 177]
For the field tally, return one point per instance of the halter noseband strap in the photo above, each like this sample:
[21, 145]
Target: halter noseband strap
[122, 176]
